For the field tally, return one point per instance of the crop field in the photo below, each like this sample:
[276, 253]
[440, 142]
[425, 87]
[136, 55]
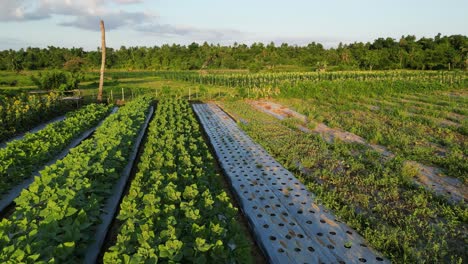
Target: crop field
[233, 167]
[224, 132]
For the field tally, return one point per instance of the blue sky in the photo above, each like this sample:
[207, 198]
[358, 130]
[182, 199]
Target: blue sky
[75, 23]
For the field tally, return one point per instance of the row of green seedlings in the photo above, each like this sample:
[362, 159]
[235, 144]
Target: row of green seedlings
[274, 79]
[20, 158]
[55, 218]
[176, 209]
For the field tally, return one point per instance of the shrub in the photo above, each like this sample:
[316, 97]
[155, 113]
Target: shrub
[255, 67]
[57, 80]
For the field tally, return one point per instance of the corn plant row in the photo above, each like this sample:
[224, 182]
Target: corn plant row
[176, 209]
[20, 158]
[56, 217]
[262, 80]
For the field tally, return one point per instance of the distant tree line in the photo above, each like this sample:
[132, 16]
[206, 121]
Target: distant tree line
[438, 53]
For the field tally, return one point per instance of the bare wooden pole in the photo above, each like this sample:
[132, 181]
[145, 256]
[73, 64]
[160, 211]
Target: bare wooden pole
[103, 60]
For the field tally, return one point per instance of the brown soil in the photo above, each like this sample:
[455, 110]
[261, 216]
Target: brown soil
[456, 116]
[278, 110]
[446, 122]
[463, 93]
[411, 99]
[433, 177]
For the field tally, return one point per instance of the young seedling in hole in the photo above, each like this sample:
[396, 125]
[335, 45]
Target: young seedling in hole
[259, 166]
[348, 244]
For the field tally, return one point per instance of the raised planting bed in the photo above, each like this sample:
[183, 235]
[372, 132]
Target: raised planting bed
[33, 130]
[288, 224]
[22, 159]
[176, 210]
[59, 216]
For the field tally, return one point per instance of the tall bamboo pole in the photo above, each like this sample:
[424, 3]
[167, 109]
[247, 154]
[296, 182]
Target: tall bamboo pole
[103, 60]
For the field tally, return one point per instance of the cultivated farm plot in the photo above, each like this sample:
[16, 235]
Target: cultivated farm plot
[23, 158]
[430, 177]
[66, 213]
[177, 210]
[429, 128]
[58, 218]
[287, 222]
[373, 193]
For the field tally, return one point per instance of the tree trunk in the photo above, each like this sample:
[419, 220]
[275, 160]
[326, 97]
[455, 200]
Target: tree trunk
[103, 60]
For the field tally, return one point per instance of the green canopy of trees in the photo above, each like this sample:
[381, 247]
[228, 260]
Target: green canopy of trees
[440, 52]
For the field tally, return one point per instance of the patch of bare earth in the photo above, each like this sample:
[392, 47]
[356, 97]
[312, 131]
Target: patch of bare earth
[461, 93]
[457, 95]
[436, 180]
[448, 123]
[371, 107]
[429, 177]
[456, 116]
[277, 110]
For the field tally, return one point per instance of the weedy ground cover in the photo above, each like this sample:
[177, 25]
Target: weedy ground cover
[405, 222]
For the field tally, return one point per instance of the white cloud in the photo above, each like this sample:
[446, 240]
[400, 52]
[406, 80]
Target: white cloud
[23, 10]
[85, 14]
[112, 20]
[18, 10]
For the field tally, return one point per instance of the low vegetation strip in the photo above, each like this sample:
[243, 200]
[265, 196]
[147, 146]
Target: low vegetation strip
[176, 209]
[32, 130]
[112, 203]
[418, 138]
[20, 158]
[431, 178]
[287, 222]
[56, 217]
